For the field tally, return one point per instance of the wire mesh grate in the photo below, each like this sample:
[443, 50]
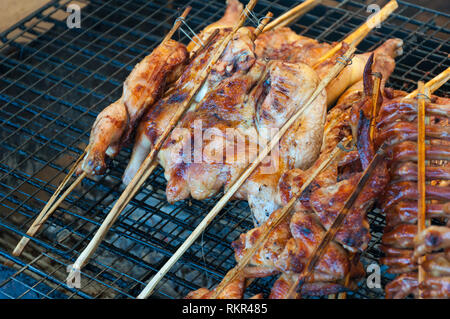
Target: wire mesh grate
[54, 81]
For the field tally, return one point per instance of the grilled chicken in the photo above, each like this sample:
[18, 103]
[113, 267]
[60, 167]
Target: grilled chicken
[141, 89]
[269, 192]
[286, 45]
[288, 248]
[235, 290]
[281, 287]
[264, 105]
[156, 120]
[226, 114]
[407, 284]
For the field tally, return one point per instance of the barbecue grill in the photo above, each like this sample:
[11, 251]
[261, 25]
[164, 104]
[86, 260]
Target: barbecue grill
[54, 81]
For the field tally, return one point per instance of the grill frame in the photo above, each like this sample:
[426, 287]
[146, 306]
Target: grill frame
[45, 70]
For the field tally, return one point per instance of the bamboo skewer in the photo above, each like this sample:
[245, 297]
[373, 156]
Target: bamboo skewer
[375, 100]
[421, 209]
[231, 275]
[50, 207]
[359, 34]
[262, 25]
[177, 24]
[433, 84]
[149, 163]
[292, 15]
[237, 183]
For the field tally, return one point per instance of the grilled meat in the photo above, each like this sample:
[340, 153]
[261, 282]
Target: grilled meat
[141, 89]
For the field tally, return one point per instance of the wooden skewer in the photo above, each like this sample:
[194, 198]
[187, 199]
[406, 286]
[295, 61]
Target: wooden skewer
[270, 226]
[50, 207]
[421, 219]
[434, 83]
[262, 25]
[177, 24]
[359, 34]
[337, 68]
[375, 99]
[149, 163]
[354, 258]
[332, 231]
[292, 14]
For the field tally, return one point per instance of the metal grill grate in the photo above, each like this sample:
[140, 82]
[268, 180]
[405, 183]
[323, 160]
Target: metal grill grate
[55, 80]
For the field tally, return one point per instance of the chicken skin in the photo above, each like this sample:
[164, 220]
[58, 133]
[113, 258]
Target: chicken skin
[141, 89]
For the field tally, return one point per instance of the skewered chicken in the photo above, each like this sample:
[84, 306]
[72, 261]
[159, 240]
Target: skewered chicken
[236, 60]
[286, 45]
[227, 113]
[397, 126]
[141, 89]
[271, 106]
[287, 251]
[235, 290]
[265, 192]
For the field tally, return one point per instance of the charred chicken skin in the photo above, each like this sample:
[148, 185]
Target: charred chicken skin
[155, 121]
[141, 89]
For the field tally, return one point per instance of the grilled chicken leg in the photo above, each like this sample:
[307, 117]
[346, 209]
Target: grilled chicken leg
[141, 89]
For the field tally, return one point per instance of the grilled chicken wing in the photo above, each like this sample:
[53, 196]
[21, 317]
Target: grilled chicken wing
[235, 290]
[141, 89]
[244, 107]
